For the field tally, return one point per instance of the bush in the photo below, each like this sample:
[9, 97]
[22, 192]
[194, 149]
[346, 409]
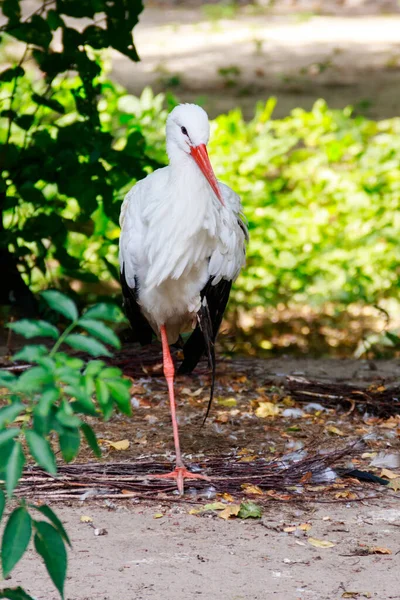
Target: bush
[48, 401]
[320, 191]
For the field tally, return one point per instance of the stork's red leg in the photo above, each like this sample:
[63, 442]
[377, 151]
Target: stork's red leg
[180, 473]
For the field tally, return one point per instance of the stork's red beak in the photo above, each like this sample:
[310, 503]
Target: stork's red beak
[200, 155]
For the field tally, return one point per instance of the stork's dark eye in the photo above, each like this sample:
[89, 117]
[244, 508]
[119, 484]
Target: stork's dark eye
[184, 131]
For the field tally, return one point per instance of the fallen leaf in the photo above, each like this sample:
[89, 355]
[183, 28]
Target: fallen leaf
[188, 392]
[227, 401]
[334, 430]
[120, 445]
[390, 423]
[347, 494]
[379, 550]
[302, 526]
[389, 474]
[227, 497]
[394, 484]
[230, 511]
[222, 416]
[195, 511]
[305, 526]
[137, 389]
[86, 519]
[249, 510]
[247, 458]
[158, 515]
[244, 451]
[320, 543]
[267, 409]
[306, 478]
[356, 595]
[252, 489]
[368, 455]
[214, 506]
[197, 392]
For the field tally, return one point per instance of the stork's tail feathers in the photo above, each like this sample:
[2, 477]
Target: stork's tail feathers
[201, 342]
[205, 323]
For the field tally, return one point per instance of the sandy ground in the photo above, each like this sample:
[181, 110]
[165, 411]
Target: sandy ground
[230, 62]
[181, 556]
[156, 549]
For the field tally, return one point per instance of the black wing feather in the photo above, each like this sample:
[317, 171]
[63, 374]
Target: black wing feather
[202, 341]
[141, 328]
[217, 298]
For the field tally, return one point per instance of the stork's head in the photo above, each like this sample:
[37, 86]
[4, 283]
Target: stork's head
[188, 132]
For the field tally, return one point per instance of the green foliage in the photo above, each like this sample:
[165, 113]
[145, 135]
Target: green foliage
[47, 401]
[50, 130]
[320, 191]
[17, 534]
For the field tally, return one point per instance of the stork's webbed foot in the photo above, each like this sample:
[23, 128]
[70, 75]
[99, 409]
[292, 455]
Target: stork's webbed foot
[180, 473]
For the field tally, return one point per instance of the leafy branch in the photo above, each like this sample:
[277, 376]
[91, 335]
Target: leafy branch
[48, 401]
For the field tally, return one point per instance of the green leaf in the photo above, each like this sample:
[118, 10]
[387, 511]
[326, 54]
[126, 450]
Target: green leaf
[91, 439]
[119, 390]
[33, 380]
[61, 303]
[14, 466]
[35, 31]
[102, 393]
[94, 367]
[7, 379]
[71, 362]
[47, 400]
[30, 328]
[66, 417]
[25, 121]
[87, 344]
[249, 510]
[12, 10]
[11, 73]
[8, 434]
[2, 503]
[41, 451]
[70, 441]
[103, 310]
[8, 414]
[54, 20]
[83, 403]
[110, 373]
[101, 331]
[17, 593]
[53, 105]
[47, 512]
[50, 545]
[16, 536]
[32, 353]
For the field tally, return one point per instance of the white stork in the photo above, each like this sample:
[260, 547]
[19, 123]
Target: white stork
[182, 245]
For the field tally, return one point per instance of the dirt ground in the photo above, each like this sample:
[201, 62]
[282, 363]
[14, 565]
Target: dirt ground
[229, 60]
[338, 539]
[180, 556]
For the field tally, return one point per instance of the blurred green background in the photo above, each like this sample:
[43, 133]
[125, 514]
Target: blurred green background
[304, 101]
